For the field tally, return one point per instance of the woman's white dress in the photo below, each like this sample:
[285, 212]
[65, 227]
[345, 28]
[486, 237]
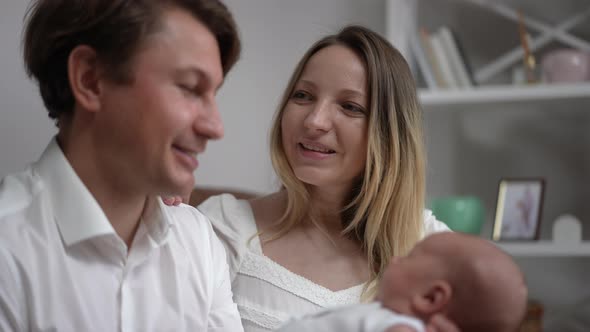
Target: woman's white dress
[266, 293]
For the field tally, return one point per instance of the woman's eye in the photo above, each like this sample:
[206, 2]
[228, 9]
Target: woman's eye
[353, 108]
[301, 95]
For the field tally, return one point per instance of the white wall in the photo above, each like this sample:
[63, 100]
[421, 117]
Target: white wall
[274, 33]
[24, 125]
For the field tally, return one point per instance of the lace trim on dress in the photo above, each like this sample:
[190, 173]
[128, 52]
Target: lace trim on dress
[263, 318]
[263, 268]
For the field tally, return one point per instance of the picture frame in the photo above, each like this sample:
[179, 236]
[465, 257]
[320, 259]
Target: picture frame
[518, 209]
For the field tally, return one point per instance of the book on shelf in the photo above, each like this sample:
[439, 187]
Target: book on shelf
[441, 60]
[456, 58]
[423, 53]
[427, 61]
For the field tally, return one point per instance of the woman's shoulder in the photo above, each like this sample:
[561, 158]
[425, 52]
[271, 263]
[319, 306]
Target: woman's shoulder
[225, 202]
[226, 211]
[233, 224]
[433, 225]
[267, 209]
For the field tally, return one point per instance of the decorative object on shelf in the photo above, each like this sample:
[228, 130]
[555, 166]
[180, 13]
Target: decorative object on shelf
[530, 64]
[546, 33]
[461, 213]
[518, 209]
[566, 65]
[567, 229]
[533, 319]
[518, 75]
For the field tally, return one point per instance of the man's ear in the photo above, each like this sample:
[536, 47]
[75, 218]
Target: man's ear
[433, 299]
[83, 75]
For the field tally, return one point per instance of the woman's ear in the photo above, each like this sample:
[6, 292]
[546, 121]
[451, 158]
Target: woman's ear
[83, 75]
[433, 299]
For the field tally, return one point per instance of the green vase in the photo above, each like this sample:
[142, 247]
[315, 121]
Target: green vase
[461, 213]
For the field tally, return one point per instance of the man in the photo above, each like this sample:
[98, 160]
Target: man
[85, 242]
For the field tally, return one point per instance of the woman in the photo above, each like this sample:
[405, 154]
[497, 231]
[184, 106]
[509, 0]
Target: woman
[347, 146]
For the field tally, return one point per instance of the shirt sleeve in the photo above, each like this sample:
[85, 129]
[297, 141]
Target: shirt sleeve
[233, 223]
[223, 315]
[12, 301]
[433, 225]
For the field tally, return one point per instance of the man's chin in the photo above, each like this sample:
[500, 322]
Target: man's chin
[180, 188]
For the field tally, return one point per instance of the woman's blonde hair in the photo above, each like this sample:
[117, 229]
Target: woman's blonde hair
[385, 208]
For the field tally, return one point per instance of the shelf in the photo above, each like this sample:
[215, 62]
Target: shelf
[546, 249]
[537, 96]
[505, 93]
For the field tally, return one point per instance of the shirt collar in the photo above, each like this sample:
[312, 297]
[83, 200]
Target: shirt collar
[78, 215]
[157, 220]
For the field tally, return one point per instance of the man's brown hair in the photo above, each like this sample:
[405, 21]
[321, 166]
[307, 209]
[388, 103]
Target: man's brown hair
[114, 29]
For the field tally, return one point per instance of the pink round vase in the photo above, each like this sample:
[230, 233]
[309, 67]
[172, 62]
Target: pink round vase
[566, 65]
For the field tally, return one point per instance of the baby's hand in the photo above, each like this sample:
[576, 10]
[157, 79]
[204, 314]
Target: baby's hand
[401, 328]
[440, 323]
[172, 200]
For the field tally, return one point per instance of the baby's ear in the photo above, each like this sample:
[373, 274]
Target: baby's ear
[433, 298]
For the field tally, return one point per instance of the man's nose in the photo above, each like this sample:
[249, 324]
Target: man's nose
[209, 124]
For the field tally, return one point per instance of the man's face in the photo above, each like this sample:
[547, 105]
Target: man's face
[153, 129]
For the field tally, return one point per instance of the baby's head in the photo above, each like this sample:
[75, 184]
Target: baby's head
[467, 278]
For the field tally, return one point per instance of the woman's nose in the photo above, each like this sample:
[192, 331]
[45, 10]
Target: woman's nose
[320, 116]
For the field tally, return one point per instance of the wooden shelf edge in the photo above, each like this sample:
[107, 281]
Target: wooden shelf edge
[545, 249]
[504, 93]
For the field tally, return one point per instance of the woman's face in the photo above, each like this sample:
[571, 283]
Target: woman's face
[324, 123]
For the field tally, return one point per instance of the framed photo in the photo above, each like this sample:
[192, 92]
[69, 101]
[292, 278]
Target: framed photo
[518, 210]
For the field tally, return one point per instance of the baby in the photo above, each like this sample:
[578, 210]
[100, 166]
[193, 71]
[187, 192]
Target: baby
[466, 278]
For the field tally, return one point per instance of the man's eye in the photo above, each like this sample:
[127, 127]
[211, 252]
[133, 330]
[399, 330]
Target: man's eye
[188, 89]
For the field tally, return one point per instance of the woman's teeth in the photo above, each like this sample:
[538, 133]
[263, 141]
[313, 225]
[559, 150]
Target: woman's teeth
[316, 148]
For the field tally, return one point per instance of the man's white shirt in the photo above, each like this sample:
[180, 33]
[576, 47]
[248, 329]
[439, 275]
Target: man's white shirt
[63, 267]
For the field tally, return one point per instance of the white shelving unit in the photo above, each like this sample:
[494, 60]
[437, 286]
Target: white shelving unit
[537, 94]
[540, 97]
[542, 32]
[480, 134]
[545, 249]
